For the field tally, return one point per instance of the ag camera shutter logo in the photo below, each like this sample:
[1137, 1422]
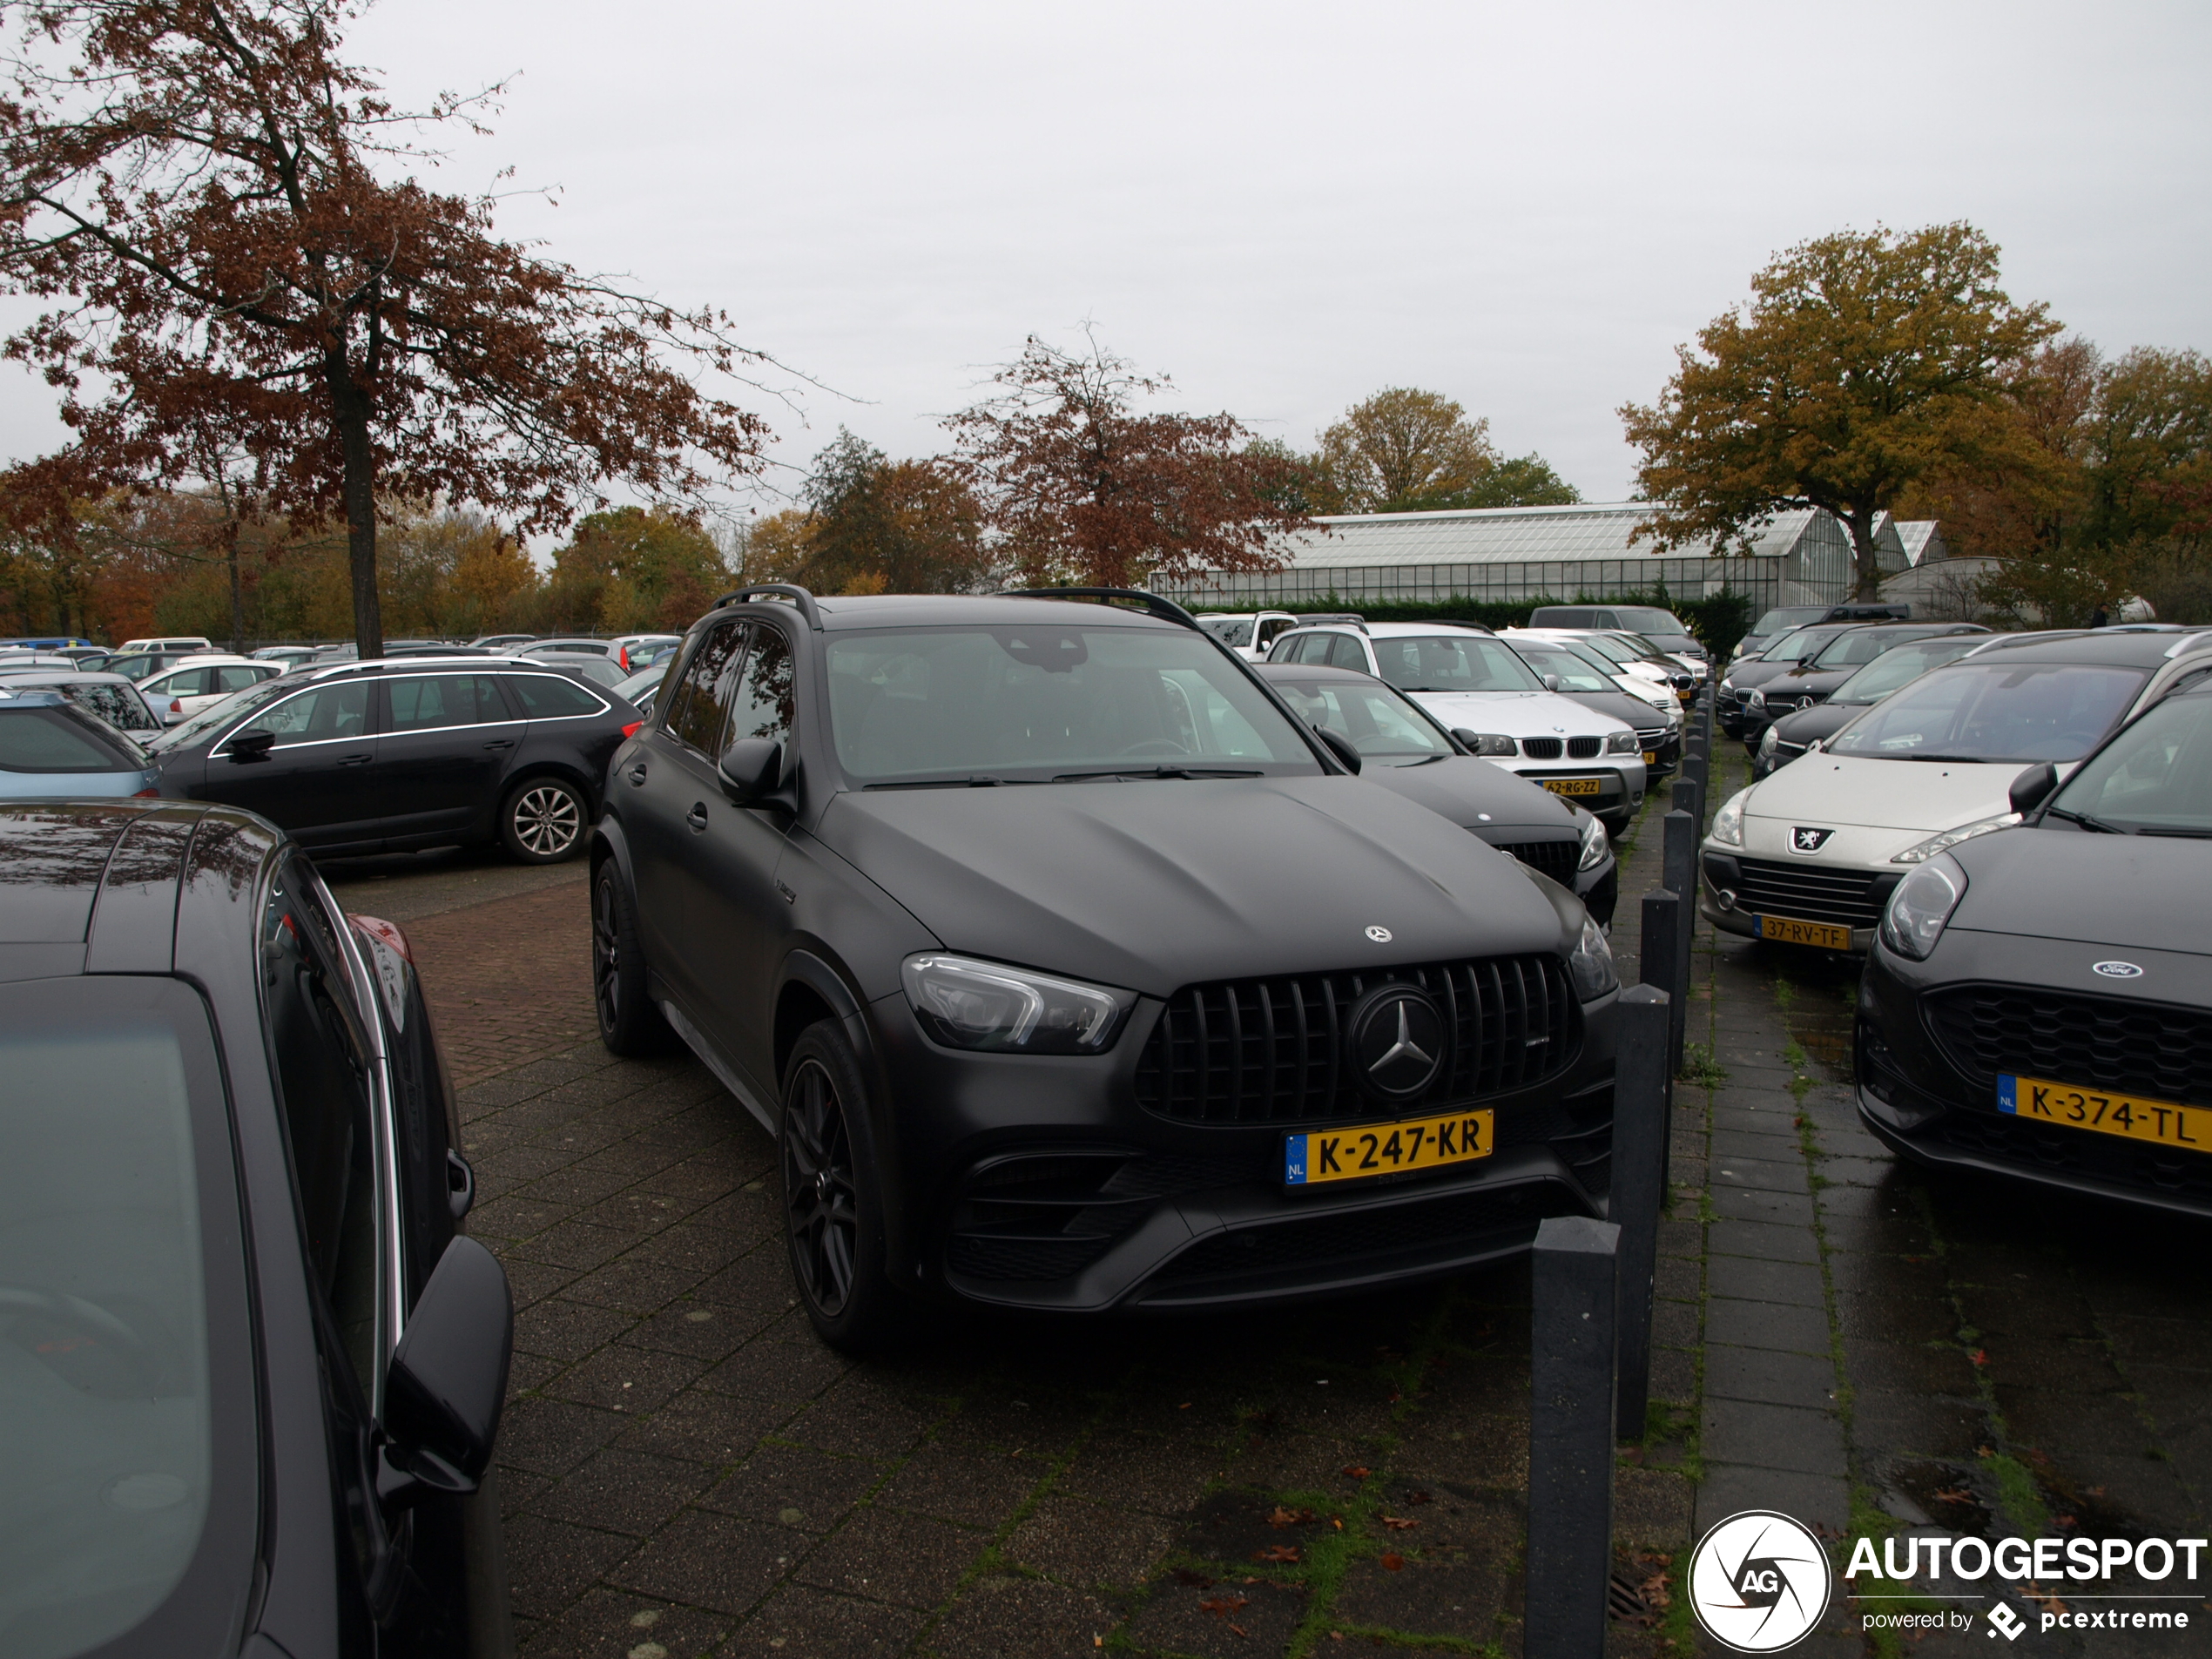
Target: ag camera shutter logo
[1759, 1582]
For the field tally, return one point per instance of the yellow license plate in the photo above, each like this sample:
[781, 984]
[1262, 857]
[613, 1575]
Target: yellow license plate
[2131, 1117]
[1827, 934]
[1572, 786]
[1650, 757]
[1387, 1149]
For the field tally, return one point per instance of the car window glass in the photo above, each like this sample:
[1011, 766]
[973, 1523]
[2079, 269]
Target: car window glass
[423, 702]
[237, 680]
[1993, 711]
[1863, 646]
[47, 739]
[760, 694]
[551, 697]
[1452, 663]
[187, 682]
[1901, 665]
[1378, 725]
[1230, 630]
[1575, 674]
[2153, 778]
[321, 1059]
[324, 714]
[1345, 653]
[197, 726]
[695, 709]
[118, 707]
[1648, 619]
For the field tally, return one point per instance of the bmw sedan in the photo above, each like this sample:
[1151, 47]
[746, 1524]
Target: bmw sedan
[253, 1368]
[2039, 1005]
[1072, 970]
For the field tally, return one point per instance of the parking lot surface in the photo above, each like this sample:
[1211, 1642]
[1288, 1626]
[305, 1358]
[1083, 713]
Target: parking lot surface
[685, 1470]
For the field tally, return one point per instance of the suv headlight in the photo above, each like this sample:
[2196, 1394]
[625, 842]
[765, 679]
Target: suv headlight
[1758, 700]
[1590, 964]
[1595, 844]
[1936, 844]
[967, 1004]
[1623, 743]
[1490, 745]
[1727, 823]
[1767, 742]
[1922, 903]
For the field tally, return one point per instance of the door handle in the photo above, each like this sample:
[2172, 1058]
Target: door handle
[354, 760]
[697, 817]
[637, 774]
[500, 743]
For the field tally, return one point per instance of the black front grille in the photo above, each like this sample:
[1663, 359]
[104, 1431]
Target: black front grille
[1275, 1050]
[1810, 893]
[1653, 737]
[2093, 1042]
[1584, 748]
[1049, 1213]
[1558, 859]
[1542, 748]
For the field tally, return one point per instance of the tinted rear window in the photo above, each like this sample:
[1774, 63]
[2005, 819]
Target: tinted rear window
[549, 697]
[52, 740]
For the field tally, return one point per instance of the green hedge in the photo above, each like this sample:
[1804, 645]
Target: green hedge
[1718, 623]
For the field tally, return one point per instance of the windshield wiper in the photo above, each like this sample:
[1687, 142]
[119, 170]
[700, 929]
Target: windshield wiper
[976, 782]
[2186, 834]
[1427, 761]
[1956, 760]
[1157, 772]
[2086, 820]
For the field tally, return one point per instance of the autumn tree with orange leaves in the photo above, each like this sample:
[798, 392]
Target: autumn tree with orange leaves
[201, 187]
[1083, 487]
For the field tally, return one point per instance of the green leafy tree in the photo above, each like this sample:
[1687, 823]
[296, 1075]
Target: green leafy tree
[876, 525]
[633, 568]
[1402, 450]
[1864, 364]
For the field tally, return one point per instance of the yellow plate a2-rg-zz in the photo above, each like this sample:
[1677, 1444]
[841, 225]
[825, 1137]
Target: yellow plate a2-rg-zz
[1369, 1149]
[2165, 1123]
[1572, 786]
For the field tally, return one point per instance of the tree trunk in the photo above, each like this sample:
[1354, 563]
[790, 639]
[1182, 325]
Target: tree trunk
[350, 403]
[237, 602]
[1865, 557]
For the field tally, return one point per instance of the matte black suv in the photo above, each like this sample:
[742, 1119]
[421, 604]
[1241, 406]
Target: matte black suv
[1074, 971]
[252, 1369]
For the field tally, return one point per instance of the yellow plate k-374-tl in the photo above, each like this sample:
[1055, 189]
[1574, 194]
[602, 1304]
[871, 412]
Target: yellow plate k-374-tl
[1371, 1150]
[2038, 1100]
[1572, 786]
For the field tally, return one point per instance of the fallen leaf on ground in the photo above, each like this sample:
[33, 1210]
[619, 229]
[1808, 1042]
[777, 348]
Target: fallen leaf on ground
[1222, 1606]
[1358, 1471]
[1951, 1494]
[1239, 1629]
[1393, 1561]
[1284, 1553]
[1981, 1356]
[1398, 1524]
[1418, 1496]
[1283, 1517]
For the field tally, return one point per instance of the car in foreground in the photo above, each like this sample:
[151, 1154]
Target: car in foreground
[1785, 738]
[1072, 971]
[197, 683]
[254, 1366]
[1494, 703]
[2039, 1004]
[110, 696]
[1811, 682]
[404, 753]
[1401, 746]
[1657, 719]
[1811, 855]
[51, 748]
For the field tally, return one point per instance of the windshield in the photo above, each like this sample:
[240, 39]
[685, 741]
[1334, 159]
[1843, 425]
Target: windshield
[1650, 619]
[1382, 725]
[51, 738]
[1798, 647]
[1030, 704]
[1783, 617]
[119, 705]
[1860, 647]
[2154, 779]
[1230, 630]
[186, 731]
[1452, 663]
[1575, 674]
[1995, 712]
[1902, 664]
[122, 1306]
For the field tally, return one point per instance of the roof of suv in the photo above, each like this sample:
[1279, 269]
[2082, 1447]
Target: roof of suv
[1398, 630]
[922, 610]
[2099, 645]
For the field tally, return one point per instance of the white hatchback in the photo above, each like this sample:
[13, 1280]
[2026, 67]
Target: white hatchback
[1474, 682]
[1811, 855]
[197, 683]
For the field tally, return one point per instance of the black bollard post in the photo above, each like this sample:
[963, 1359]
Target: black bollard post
[1688, 798]
[1657, 966]
[1641, 1133]
[1680, 854]
[1571, 1438]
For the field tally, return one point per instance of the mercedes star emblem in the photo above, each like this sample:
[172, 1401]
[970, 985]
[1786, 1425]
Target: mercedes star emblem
[1398, 1038]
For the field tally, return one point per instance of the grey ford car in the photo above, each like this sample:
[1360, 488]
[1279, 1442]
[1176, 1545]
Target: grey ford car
[1072, 971]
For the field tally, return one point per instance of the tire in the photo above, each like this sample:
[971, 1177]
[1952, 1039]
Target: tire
[543, 820]
[833, 1199]
[630, 1025]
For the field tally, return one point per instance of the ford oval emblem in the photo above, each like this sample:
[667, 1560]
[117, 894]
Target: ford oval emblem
[2116, 971]
[1381, 936]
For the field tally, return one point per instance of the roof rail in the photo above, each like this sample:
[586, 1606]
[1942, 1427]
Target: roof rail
[789, 591]
[1165, 609]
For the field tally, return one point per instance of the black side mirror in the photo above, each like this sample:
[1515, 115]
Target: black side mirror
[750, 768]
[2033, 787]
[447, 1380]
[251, 745]
[1340, 746]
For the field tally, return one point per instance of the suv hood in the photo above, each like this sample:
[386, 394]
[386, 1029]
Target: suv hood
[1461, 788]
[2126, 891]
[1155, 885]
[1517, 714]
[1927, 795]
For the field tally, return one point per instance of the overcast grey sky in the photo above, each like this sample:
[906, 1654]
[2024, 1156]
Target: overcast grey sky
[1289, 206]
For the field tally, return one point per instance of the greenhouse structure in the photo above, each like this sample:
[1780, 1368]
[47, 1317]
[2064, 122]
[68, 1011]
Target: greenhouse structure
[1801, 557]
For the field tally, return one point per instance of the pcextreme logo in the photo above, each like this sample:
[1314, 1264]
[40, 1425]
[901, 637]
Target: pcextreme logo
[1759, 1582]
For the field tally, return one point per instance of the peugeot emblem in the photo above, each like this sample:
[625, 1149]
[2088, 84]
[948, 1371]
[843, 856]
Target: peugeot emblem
[1397, 1042]
[2116, 971]
[1380, 935]
[1809, 841]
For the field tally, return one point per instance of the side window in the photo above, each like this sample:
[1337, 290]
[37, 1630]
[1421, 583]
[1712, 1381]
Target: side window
[327, 713]
[237, 680]
[1345, 653]
[321, 1055]
[190, 682]
[760, 695]
[695, 706]
[550, 697]
[1303, 649]
[423, 702]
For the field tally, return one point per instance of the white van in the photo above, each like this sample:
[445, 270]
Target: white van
[176, 641]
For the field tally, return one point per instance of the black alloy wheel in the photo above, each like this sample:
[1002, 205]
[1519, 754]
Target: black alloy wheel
[628, 1023]
[832, 1207]
[542, 822]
